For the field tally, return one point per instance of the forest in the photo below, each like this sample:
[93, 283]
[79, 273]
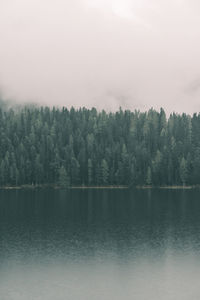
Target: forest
[85, 147]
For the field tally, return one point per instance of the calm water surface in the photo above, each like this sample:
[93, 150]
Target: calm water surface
[100, 244]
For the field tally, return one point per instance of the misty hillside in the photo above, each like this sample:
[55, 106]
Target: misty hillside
[4, 105]
[75, 147]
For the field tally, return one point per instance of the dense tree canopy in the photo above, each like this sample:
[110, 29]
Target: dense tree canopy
[86, 147]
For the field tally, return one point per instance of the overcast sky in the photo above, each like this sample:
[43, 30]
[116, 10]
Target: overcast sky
[104, 53]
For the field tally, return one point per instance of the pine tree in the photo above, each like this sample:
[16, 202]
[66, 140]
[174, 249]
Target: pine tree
[183, 171]
[90, 171]
[149, 179]
[104, 172]
[75, 171]
[63, 180]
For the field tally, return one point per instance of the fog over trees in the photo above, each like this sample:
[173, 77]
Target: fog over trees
[85, 147]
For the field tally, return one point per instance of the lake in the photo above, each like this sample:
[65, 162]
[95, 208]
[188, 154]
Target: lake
[99, 244]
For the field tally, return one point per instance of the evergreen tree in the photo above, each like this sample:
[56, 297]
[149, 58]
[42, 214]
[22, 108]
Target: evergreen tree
[90, 171]
[183, 171]
[104, 172]
[149, 179]
[63, 180]
[75, 171]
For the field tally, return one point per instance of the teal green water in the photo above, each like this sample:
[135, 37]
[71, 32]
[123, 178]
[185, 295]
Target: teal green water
[100, 244]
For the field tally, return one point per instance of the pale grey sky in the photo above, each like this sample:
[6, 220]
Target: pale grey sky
[104, 53]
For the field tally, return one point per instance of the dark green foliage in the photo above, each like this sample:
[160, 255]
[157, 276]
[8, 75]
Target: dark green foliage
[63, 178]
[86, 147]
[183, 170]
[104, 172]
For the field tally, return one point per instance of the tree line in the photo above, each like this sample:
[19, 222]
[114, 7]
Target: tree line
[42, 145]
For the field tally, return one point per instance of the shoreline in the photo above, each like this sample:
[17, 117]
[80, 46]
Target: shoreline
[34, 187]
[170, 187]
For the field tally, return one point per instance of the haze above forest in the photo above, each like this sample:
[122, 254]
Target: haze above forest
[135, 54]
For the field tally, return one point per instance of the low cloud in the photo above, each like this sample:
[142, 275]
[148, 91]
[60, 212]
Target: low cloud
[133, 54]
